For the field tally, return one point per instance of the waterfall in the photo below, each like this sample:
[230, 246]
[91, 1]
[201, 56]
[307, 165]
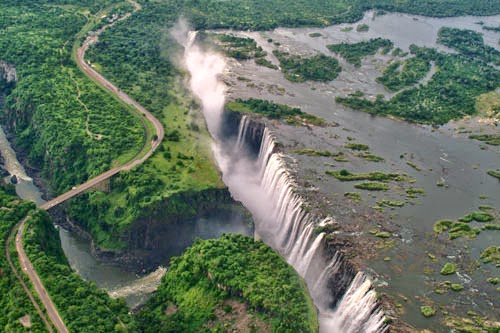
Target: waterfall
[266, 187]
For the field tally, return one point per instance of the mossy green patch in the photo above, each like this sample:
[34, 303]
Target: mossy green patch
[491, 255]
[372, 186]
[448, 269]
[427, 311]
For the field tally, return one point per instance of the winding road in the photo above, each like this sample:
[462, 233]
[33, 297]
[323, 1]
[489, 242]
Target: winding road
[151, 144]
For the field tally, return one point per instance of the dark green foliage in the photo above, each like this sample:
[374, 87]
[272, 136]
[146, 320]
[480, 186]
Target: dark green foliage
[470, 43]
[14, 303]
[478, 217]
[398, 76]
[494, 173]
[372, 186]
[83, 307]
[272, 110]
[450, 94]
[239, 47]
[316, 68]
[44, 110]
[266, 15]
[491, 139]
[357, 146]
[315, 152]
[353, 53]
[203, 277]
[497, 29]
[345, 175]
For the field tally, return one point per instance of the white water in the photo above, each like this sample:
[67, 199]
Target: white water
[267, 189]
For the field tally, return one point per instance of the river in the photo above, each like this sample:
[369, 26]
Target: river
[443, 155]
[116, 281]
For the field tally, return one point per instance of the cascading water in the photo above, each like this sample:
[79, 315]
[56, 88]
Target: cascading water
[265, 186]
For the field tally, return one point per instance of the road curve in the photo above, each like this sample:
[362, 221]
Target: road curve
[143, 155]
[149, 147]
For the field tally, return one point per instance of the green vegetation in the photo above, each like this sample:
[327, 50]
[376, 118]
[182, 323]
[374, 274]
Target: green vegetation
[383, 234]
[398, 76]
[427, 311]
[370, 157]
[470, 43]
[316, 68]
[291, 115]
[133, 55]
[83, 306]
[315, 152]
[239, 48]
[14, 302]
[354, 196]
[372, 186]
[315, 34]
[390, 203]
[202, 288]
[493, 281]
[450, 94]
[491, 139]
[494, 173]
[491, 254]
[456, 287]
[362, 28]
[353, 53]
[477, 216]
[497, 29]
[69, 127]
[345, 175]
[413, 192]
[448, 269]
[356, 146]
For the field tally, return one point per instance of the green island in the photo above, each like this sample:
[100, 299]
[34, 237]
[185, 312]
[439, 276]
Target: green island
[316, 68]
[491, 139]
[355, 52]
[291, 115]
[401, 75]
[240, 48]
[494, 173]
[462, 227]
[204, 290]
[345, 175]
[469, 43]
[450, 94]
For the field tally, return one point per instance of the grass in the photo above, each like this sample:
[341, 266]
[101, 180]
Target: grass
[370, 157]
[354, 196]
[448, 269]
[345, 175]
[315, 152]
[390, 203]
[491, 139]
[491, 255]
[372, 186]
[414, 166]
[478, 217]
[357, 146]
[494, 173]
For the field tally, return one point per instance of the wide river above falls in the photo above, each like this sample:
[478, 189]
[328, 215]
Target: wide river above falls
[443, 155]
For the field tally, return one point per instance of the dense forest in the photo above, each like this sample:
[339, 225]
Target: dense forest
[70, 128]
[204, 290]
[83, 306]
[14, 302]
[399, 75]
[355, 52]
[450, 94]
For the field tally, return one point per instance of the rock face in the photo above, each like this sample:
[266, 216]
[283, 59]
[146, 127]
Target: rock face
[7, 72]
[172, 225]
